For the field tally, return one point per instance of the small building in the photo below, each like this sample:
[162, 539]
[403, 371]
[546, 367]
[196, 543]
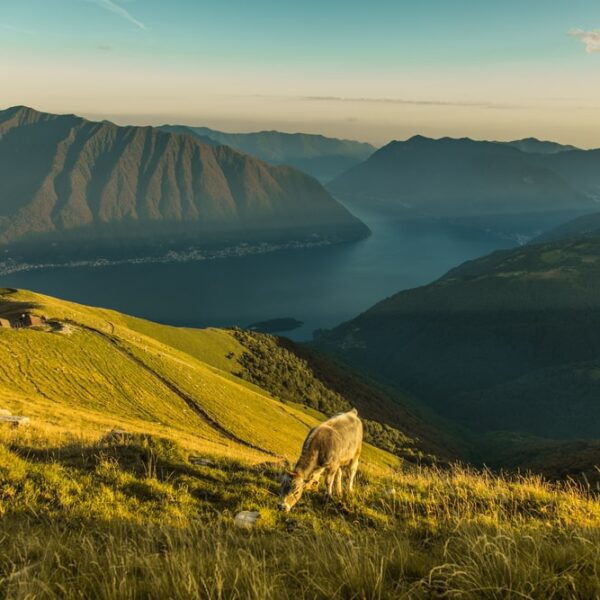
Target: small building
[5, 324]
[29, 320]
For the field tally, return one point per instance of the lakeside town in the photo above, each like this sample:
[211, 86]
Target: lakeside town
[11, 265]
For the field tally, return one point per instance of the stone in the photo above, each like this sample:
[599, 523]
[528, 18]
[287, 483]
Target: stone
[246, 519]
[119, 436]
[201, 462]
[15, 421]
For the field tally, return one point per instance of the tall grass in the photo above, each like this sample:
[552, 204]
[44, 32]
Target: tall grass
[136, 521]
[119, 561]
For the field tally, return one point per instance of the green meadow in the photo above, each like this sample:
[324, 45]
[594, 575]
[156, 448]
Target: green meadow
[149, 513]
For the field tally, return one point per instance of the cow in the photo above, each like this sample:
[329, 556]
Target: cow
[329, 447]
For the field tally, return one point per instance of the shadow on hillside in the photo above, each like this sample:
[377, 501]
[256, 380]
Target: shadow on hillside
[140, 455]
[11, 309]
[147, 457]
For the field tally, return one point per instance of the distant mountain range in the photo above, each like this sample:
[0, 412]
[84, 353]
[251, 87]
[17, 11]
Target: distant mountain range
[535, 146]
[64, 178]
[317, 155]
[460, 177]
[508, 342]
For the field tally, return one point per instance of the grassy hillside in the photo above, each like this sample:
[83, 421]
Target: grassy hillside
[105, 529]
[91, 368]
[507, 342]
[150, 513]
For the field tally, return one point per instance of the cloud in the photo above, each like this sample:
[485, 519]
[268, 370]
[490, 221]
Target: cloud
[405, 101]
[591, 39]
[119, 10]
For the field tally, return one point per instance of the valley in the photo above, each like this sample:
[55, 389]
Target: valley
[321, 285]
[299, 301]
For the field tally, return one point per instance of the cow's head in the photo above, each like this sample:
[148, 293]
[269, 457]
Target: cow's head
[292, 486]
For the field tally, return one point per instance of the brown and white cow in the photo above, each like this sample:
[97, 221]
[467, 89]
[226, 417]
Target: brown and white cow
[329, 448]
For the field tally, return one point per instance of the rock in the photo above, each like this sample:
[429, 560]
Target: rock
[246, 519]
[5, 413]
[117, 436]
[201, 462]
[15, 421]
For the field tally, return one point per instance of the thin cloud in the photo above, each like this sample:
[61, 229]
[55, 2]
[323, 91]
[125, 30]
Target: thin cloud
[404, 101]
[120, 11]
[591, 39]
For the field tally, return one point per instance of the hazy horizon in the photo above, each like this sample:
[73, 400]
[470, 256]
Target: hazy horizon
[373, 73]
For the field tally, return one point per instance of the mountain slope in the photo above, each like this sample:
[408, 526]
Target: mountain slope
[92, 369]
[580, 169]
[456, 177]
[320, 156]
[63, 178]
[535, 146]
[510, 341]
[580, 227]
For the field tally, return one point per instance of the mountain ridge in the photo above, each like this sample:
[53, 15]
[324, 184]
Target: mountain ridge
[321, 156]
[64, 177]
[458, 177]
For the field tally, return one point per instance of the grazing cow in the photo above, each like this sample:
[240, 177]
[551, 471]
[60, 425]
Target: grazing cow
[329, 447]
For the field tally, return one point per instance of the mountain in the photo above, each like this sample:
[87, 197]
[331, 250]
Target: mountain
[66, 179]
[580, 169]
[534, 146]
[508, 342]
[317, 155]
[580, 227]
[457, 177]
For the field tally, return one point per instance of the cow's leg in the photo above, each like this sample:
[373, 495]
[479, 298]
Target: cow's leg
[352, 474]
[329, 479]
[338, 482]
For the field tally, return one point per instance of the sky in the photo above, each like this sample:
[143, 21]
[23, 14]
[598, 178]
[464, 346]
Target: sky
[374, 71]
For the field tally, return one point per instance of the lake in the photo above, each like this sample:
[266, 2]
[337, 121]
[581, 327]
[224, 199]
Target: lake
[321, 287]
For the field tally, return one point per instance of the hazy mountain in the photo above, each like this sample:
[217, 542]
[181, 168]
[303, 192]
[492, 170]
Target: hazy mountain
[534, 146]
[580, 169]
[584, 226]
[65, 178]
[457, 177]
[321, 157]
[510, 341]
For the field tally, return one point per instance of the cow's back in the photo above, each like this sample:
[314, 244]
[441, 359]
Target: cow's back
[339, 439]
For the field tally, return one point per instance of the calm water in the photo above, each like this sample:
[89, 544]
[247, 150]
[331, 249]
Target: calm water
[321, 287]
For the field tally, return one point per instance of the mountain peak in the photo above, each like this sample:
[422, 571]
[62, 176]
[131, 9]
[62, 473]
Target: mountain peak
[192, 190]
[416, 139]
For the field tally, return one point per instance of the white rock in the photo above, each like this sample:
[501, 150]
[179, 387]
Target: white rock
[246, 519]
[15, 421]
[202, 462]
